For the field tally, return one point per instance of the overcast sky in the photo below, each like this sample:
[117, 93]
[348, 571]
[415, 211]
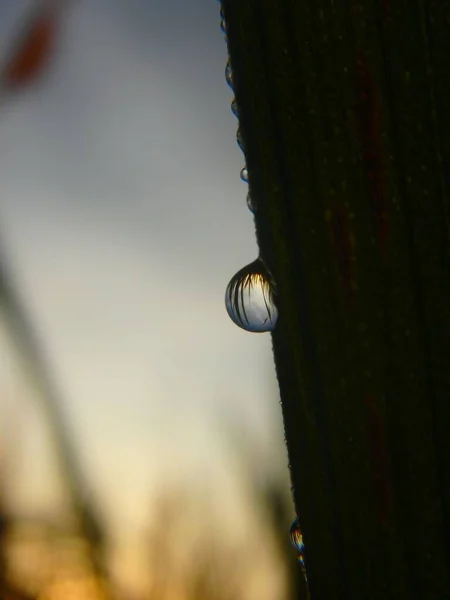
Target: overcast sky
[124, 216]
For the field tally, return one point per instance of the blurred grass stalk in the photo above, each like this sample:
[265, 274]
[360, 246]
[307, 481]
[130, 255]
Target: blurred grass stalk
[31, 353]
[23, 62]
[344, 112]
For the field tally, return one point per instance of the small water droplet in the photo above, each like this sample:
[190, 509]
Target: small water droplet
[229, 74]
[249, 298]
[240, 139]
[223, 23]
[235, 108]
[244, 175]
[250, 203]
[296, 537]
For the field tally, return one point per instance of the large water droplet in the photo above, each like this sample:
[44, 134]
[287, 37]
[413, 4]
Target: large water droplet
[240, 139]
[244, 175]
[229, 74]
[249, 298]
[235, 108]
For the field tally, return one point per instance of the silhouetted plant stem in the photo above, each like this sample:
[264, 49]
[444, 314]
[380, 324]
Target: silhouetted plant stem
[344, 109]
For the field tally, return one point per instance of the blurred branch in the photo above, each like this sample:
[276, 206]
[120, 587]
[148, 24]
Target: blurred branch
[30, 351]
[32, 45]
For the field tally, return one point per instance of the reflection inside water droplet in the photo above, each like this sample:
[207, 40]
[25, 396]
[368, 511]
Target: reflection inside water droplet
[249, 299]
[235, 108]
[229, 74]
[244, 175]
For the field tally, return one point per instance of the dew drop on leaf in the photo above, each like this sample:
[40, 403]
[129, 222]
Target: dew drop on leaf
[235, 108]
[240, 139]
[249, 299]
[244, 175]
[250, 203]
[229, 74]
[296, 536]
[223, 24]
